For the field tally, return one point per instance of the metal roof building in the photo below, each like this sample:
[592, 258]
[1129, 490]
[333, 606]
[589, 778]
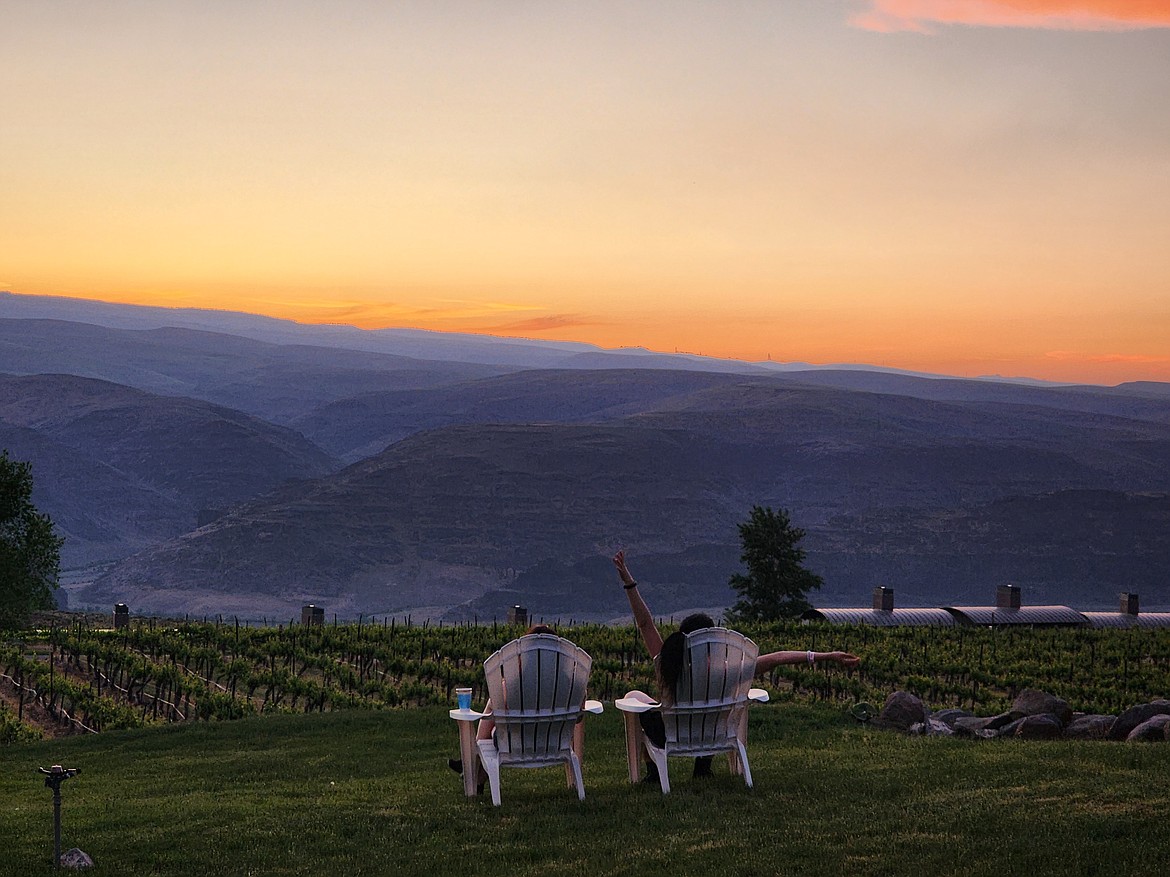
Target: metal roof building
[1128, 616]
[883, 618]
[883, 614]
[997, 616]
[1121, 619]
[1007, 610]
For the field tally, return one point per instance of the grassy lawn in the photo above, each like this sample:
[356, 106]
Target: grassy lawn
[355, 793]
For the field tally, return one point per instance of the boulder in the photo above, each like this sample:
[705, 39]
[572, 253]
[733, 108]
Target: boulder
[1135, 715]
[1045, 726]
[975, 726]
[901, 710]
[75, 859]
[932, 727]
[971, 726]
[1031, 702]
[1089, 727]
[950, 716]
[1153, 730]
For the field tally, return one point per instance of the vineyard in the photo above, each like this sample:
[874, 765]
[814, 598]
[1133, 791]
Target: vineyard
[86, 680]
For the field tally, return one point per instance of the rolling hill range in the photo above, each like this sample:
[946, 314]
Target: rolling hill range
[277, 382]
[198, 456]
[118, 469]
[363, 425]
[467, 520]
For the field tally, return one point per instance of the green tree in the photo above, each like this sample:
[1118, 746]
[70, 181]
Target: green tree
[776, 581]
[30, 553]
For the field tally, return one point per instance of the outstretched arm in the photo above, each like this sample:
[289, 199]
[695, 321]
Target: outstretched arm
[772, 660]
[642, 617]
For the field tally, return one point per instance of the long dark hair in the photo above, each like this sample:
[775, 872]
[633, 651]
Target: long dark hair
[670, 659]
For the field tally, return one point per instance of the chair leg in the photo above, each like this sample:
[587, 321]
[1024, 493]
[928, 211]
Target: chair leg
[490, 759]
[658, 756]
[634, 742]
[743, 760]
[574, 764]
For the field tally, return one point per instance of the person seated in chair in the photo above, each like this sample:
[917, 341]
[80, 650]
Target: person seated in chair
[487, 725]
[668, 658]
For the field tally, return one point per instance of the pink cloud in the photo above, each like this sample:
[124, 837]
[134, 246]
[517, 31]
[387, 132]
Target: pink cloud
[887, 16]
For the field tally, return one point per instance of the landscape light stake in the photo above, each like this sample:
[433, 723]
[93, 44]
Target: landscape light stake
[54, 776]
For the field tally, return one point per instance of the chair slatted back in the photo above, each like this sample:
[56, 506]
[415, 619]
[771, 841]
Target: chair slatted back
[537, 686]
[718, 668]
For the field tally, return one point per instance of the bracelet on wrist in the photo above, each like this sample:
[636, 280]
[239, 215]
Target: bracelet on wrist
[630, 585]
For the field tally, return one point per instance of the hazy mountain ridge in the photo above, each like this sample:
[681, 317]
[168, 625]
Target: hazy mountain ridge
[277, 382]
[515, 513]
[104, 514]
[505, 353]
[465, 506]
[140, 466]
[364, 425]
[491, 484]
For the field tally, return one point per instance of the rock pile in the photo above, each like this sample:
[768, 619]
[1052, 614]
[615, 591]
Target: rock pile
[1034, 715]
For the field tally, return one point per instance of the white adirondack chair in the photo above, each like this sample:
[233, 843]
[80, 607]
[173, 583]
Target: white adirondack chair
[713, 691]
[537, 689]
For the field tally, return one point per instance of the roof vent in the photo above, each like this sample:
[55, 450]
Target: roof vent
[1129, 604]
[883, 599]
[1007, 597]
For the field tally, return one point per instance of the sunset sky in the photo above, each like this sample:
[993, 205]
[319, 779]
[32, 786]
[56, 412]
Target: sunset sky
[959, 187]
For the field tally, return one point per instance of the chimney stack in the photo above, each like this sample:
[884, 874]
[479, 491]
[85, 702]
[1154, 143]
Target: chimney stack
[1007, 597]
[883, 599]
[1129, 604]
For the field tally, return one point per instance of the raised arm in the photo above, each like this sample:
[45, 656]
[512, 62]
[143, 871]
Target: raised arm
[771, 660]
[642, 617]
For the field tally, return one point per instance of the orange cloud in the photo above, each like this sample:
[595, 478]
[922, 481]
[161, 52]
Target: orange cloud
[378, 314]
[545, 324]
[887, 16]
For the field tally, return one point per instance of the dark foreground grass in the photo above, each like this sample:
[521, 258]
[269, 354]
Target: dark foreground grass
[365, 793]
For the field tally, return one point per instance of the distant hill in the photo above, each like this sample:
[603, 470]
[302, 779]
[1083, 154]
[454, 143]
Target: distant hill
[278, 382]
[466, 520]
[487, 472]
[103, 513]
[449, 347]
[118, 469]
[360, 426]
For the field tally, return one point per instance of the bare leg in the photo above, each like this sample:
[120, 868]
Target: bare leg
[739, 720]
[579, 740]
[486, 726]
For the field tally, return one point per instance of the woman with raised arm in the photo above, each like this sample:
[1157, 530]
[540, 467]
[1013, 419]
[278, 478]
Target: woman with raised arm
[668, 655]
[653, 639]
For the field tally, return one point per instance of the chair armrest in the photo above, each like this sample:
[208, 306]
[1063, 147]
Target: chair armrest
[465, 715]
[758, 695]
[594, 707]
[634, 705]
